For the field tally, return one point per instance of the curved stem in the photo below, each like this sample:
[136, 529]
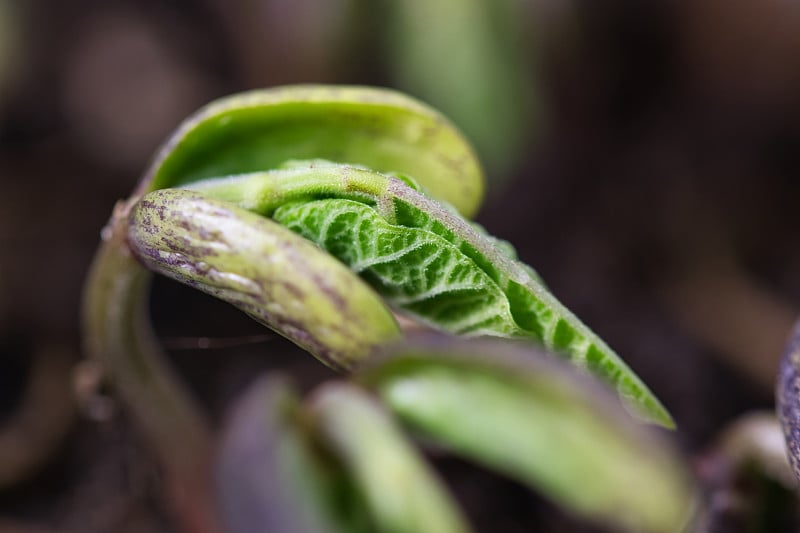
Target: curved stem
[256, 265]
[117, 332]
[377, 128]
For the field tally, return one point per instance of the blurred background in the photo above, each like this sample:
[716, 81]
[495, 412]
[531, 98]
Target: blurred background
[641, 155]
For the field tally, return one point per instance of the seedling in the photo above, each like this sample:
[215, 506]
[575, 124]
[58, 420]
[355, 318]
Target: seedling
[323, 213]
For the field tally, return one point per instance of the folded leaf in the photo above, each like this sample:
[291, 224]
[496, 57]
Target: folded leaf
[426, 259]
[378, 128]
[277, 277]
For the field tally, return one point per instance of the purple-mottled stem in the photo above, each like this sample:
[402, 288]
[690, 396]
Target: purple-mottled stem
[255, 131]
[118, 334]
[787, 394]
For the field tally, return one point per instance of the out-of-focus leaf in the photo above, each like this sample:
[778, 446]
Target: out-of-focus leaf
[755, 441]
[512, 408]
[472, 59]
[748, 479]
[400, 492]
[270, 478]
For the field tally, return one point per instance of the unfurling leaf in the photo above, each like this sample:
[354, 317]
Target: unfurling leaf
[427, 260]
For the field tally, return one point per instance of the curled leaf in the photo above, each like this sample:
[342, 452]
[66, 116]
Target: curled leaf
[378, 128]
[429, 261]
[513, 409]
[278, 278]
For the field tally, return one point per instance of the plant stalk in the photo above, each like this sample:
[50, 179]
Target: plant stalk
[118, 334]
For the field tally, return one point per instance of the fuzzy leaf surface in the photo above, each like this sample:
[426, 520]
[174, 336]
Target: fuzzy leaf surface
[426, 259]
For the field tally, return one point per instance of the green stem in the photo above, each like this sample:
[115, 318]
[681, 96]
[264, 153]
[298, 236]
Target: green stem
[244, 133]
[118, 334]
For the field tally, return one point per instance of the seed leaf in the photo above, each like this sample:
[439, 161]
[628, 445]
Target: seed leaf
[278, 278]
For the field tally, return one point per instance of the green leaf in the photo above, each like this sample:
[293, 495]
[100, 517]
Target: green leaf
[378, 128]
[400, 492]
[513, 409]
[427, 260]
[414, 269]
